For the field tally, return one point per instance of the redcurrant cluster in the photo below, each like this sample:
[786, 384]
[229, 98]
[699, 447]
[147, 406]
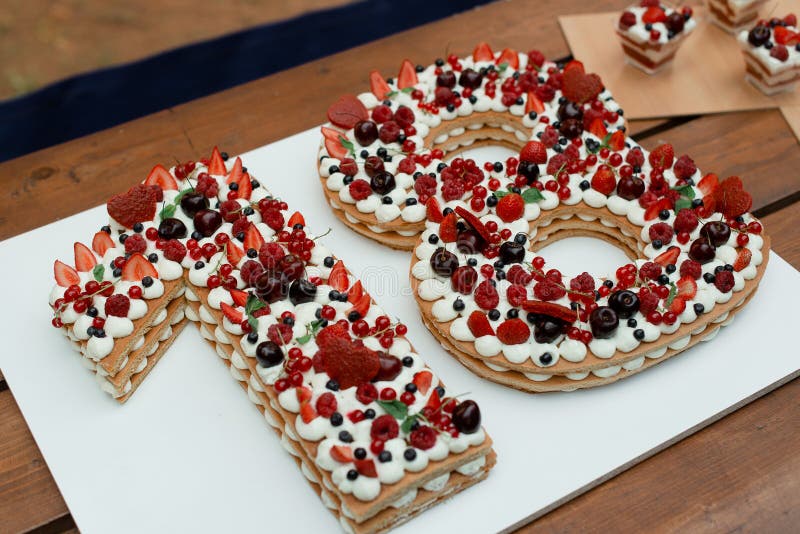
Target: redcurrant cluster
[182, 170]
[82, 298]
[297, 242]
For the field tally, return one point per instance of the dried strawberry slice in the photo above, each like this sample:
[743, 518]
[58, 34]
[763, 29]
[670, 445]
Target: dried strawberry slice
[557, 311]
[474, 222]
[347, 111]
[349, 363]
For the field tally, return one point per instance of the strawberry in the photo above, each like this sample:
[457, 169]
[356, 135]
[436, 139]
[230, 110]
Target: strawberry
[101, 242]
[533, 103]
[708, 184]
[556, 311]
[785, 36]
[509, 57]
[337, 278]
[434, 401]
[580, 87]
[162, 178]
[742, 259]
[366, 468]
[662, 156]
[448, 232]
[790, 19]
[655, 208]
[232, 314]
[65, 275]
[653, 15]
[687, 287]
[138, 204]
[474, 222]
[486, 296]
[308, 413]
[336, 330]
[513, 332]
[423, 380]
[731, 199]
[355, 293]
[239, 297]
[604, 180]
[669, 257]
[236, 172]
[482, 52]
[84, 258]
[349, 362]
[677, 305]
[617, 141]
[574, 64]
[296, 218]
[378, 86]
[245, 187]
[216, 164]
[333, 143]
[342, 454]
[432, 210]
[347, 112]
[361, 306]
[598, 128]
[234, 253]
[252, 238]
[304, 394]
[479, 325]
[534, 151]
[407, 76]
[137, 267]
[510, 208]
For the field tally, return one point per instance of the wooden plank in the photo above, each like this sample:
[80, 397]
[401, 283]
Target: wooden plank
[28, 495]
[782, 225]
[637, 127]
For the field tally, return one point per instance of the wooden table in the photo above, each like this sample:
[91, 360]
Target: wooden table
[741, 473]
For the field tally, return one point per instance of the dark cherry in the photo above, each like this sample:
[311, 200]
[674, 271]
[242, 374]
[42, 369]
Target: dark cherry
[467, 417]
[191, 203]
[717, 232]
[382, 183]
[529, 170]
[547, 330]
[701, 250]
[511, 252]
[571, 128]
[171, 228]
[446, 79]
[464, 279]
[469, 242]
[302, 291]
[570, 110]
[630, 187]
[758, 35]
[625, 303]
[470, 78]
[389, 369]
[443, 262]
[270, 288]
[366, 132]
[373, 165]
[604, 321]
[269, 354]
[291, 267]
[207, 221]
[675, 22]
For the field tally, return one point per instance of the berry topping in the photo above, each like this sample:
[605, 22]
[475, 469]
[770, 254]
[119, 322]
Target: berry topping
[513, 331]
[479, 325]
[662, 156]
[724, 281]
[384, 428]
[137, 205]
[486, 296]
[117, 306]
[511, 207]
[423, 438]
[347, 111]
[137, 267]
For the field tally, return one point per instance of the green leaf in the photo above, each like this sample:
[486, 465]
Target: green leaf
[682, 203]
[532, 195]
[395, 408]
[311, 330]
[406, 90]
[501, 68]
[501, 194]
[304, 339]
[347, 144]
[673, 291]
[408, 423]
[253, 322]
[98, 272]
[167, 211]
[253, 304]
[685, 191]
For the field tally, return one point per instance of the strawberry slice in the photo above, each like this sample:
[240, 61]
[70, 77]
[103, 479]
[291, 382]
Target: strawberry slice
[434, 401]
[482, 52]
[101, 242]
[337, 278]
[84, 258]
[231, 313]
[296, 218]
[366, 468]
[742, 259]
[432, 210]
[65, 275]
[342, 454]
[423, 381]
[162, 178]
[708, 184]
[239, 297]
[304, 394]
[308, 413]
[355, 293]
[670, 256]
[479, 324]
[654, 14]
[598, 128]
[335, 148]
[407, 76]
[448, 231]
[557, 311]
[252, 238]
[235, 254]
[137, 267]
[347, 112]
[655, 208]
[687, 287]
[677, 305]
[330, 133]
[216, 164]
[474, 222]
[617, 141]
[361, 306]
[245, 187]
[533, 103]
[510, 57]
[786, 36]
[236, 172]
[378, 85]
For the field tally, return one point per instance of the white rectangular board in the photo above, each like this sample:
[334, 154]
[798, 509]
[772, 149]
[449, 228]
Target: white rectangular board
[189, 452]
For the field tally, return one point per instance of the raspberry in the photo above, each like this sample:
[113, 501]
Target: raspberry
[635, 157]
[117, 305]
[513, 332]
[273, 218]
[627, 19]
[649, 271]
[647, 199]
[486, 295]
[464, 279]
[516, 295]
[360, 189]
[452, 190]
[691, 268]
[348, 167]
[366, 393]
[572, 152]
[404, 116]
[425, 185]
[686, 221]
[661, 231]
[389, 132]
[724, 281]
[135, 243]
[423, 438]
[174, 250]
[407, 166]
[280, 333]
[648, 301]
[545, 93]
[536, 57]
[326, 404]
[270, 254]
[662, 156]
[583, 283]
[556, 163]
[518, 275]
[684, 167]
[550, 135]
[230, 210]
[384, 428]
[547, 290]
[206, 185]
[382, 114]
[779, 52]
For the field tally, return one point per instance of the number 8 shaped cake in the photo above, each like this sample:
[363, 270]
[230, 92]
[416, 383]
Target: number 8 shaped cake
[697, 254]
[368, 423]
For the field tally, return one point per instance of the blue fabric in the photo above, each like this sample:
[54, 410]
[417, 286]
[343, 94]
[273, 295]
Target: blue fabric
[90, 102]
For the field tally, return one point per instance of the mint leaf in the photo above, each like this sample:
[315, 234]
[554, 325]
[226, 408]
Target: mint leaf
[408, 423]
[685, 191]
[501, 68]
[532, 195]
[395, 408]
[673, 291]
[167, 211]
[253, 322]
[253, 304]
[98, 272]
[347, 144]
[682, 203]
[311, 330]
[501, 194]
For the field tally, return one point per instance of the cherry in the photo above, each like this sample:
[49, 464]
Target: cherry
[570, 110]
[470, 79]
[383, 182]
[302, 291]
[269, 354]
[512, 252]
[467, 417]
[469, 242]
[269, 288]
[571, 128]
[717, 232]
[291, 267]
[547, 330]
[604, 321]
[373, 165]
[630, 187]
[701, 250]
[758, 35]
[675, 22]
[446, 79]
[171, 228]
[625, 303]
[193, 202]
[443, 262]
[207, 222]
[366, 132]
